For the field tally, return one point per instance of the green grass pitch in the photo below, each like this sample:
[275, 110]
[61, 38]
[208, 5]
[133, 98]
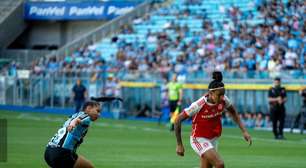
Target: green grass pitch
[138, 144]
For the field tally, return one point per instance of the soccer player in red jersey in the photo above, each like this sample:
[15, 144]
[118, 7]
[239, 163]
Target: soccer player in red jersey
[206, 115]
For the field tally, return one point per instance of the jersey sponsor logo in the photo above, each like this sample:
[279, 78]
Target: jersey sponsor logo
[211, 115]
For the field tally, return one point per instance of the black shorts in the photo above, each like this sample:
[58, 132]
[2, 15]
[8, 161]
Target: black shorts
[172, 105]
[60, 157]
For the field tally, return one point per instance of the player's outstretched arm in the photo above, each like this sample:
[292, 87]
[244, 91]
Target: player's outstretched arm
[177, 128]
[237, 120]
[73, 124]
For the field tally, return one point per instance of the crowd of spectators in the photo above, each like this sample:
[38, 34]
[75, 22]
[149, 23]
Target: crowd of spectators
[250, 120]
[274, 45]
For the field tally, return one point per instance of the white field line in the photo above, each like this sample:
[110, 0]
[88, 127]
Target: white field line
[148, 129]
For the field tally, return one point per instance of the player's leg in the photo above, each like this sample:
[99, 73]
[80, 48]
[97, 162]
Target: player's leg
[213, 158]
[202, 146]
[78, 105]
[172, 106]
[282, 116]
[60, 158]
[205, 163]
[83, 163]
[274, 122]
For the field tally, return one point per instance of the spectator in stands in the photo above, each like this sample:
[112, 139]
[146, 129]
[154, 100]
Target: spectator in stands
[79, 94]
[274, 35]
[249, 120]
[259, 121]
[112, 88]
[226, 119]
[92, 89]
[267, 122]
[12, 69]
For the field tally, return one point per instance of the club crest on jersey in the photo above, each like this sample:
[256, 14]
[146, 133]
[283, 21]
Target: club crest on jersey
[220, 107]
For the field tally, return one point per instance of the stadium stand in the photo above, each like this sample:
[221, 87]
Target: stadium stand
[196, 37]
[250, 42]
[262, 40]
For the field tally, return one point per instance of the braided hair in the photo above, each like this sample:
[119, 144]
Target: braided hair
[217, 81]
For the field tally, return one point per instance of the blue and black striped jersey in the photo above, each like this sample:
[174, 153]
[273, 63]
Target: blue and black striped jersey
[71, 140]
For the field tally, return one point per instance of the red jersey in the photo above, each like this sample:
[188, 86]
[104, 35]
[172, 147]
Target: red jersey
[206, 117]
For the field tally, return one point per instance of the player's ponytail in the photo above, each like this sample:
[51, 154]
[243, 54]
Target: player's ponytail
[217, 81]
[217, 75]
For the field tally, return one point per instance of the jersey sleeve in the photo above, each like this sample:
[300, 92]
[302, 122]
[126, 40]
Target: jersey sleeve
[85, 119]
[195, 107]
[228, 102]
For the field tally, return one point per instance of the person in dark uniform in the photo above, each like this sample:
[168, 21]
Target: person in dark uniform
[277, 99]
[300, 117]
[79, 92]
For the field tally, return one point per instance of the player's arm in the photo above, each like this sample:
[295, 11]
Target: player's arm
[180, 95]
[81, 120]
[188, 112]
[283, 97]
[177, 128]
[75, 122]
[237, 120]
[272, 99]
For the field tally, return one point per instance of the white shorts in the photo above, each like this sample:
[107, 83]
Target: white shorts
[201, 145]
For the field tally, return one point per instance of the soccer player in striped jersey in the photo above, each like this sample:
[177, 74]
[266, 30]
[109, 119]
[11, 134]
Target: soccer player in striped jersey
[61, 149]
[206, 115]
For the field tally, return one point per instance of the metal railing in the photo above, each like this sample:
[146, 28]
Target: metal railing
[56, 91]
[23, 56]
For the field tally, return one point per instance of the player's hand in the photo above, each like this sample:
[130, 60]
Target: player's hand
[179, 102]
[70, 128]
[247, 137]
[73, 124]
[180, 150]
[280, 100]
